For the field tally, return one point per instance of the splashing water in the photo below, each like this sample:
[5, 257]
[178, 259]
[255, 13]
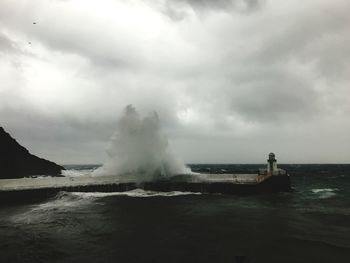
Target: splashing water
[139, 151]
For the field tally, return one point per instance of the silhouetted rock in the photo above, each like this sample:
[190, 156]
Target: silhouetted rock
[16, 161]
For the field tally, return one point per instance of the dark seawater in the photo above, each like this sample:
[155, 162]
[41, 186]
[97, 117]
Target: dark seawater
[311, 224]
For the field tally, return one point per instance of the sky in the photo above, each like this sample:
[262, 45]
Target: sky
[231, 80]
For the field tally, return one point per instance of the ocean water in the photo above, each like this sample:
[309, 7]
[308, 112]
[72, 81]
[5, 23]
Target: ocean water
[310, 224]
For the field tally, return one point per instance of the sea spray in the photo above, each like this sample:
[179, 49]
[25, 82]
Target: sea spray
[139, 150]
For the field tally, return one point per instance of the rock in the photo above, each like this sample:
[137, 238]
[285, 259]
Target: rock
[16, 161]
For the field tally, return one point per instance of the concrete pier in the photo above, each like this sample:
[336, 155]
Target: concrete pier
[26, 188]
[267, 180]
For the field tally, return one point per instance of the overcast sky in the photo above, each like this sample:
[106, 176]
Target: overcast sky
[231, 80]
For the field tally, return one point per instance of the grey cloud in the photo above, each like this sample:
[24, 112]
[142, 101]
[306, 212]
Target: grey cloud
[6, 44]
[277, 79]
[275, 100]
[176, 10]
[245, 5]
[321, 36]
[271, 93]
[91, 47]
[67, 36]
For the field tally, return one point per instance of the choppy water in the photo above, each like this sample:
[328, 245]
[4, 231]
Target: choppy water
[311, 224]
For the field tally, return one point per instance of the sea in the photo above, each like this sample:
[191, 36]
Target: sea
[309, 224]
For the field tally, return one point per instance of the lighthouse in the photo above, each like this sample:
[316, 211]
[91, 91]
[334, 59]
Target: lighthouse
[272, 164]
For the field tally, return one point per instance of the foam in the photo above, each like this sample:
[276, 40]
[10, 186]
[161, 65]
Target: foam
[139, 150]
[73, 201]
[324, 193]
[322, 190]
[133, 193]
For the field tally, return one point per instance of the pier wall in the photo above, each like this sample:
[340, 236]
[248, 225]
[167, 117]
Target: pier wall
[269, 185]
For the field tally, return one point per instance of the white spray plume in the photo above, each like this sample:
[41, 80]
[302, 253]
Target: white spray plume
[138, 150]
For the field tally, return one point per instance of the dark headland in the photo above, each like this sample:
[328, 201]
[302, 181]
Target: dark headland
[17, 162]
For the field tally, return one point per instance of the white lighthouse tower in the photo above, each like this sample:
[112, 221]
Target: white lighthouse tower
[272, 164]
[272, 167]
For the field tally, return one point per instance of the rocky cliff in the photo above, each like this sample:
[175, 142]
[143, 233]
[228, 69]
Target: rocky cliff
[16, 161]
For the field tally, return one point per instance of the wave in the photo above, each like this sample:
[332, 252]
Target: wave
[132, 193]
[324, 193]
[73, 201]
[322, 190]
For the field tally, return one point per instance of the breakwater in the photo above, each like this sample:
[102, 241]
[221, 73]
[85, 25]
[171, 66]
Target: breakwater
[27, 188]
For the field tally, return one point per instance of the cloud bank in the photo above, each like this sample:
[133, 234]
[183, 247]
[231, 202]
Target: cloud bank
[230, 80]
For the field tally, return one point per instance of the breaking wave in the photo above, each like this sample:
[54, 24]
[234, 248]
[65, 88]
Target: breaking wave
[325, 192]
[66, 202]
[132, 193]
[139, 150]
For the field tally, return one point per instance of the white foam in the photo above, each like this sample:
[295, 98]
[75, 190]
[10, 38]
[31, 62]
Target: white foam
[73, 201]
[46, 212]
[132, 193]
[324, 193]
[322, 190]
